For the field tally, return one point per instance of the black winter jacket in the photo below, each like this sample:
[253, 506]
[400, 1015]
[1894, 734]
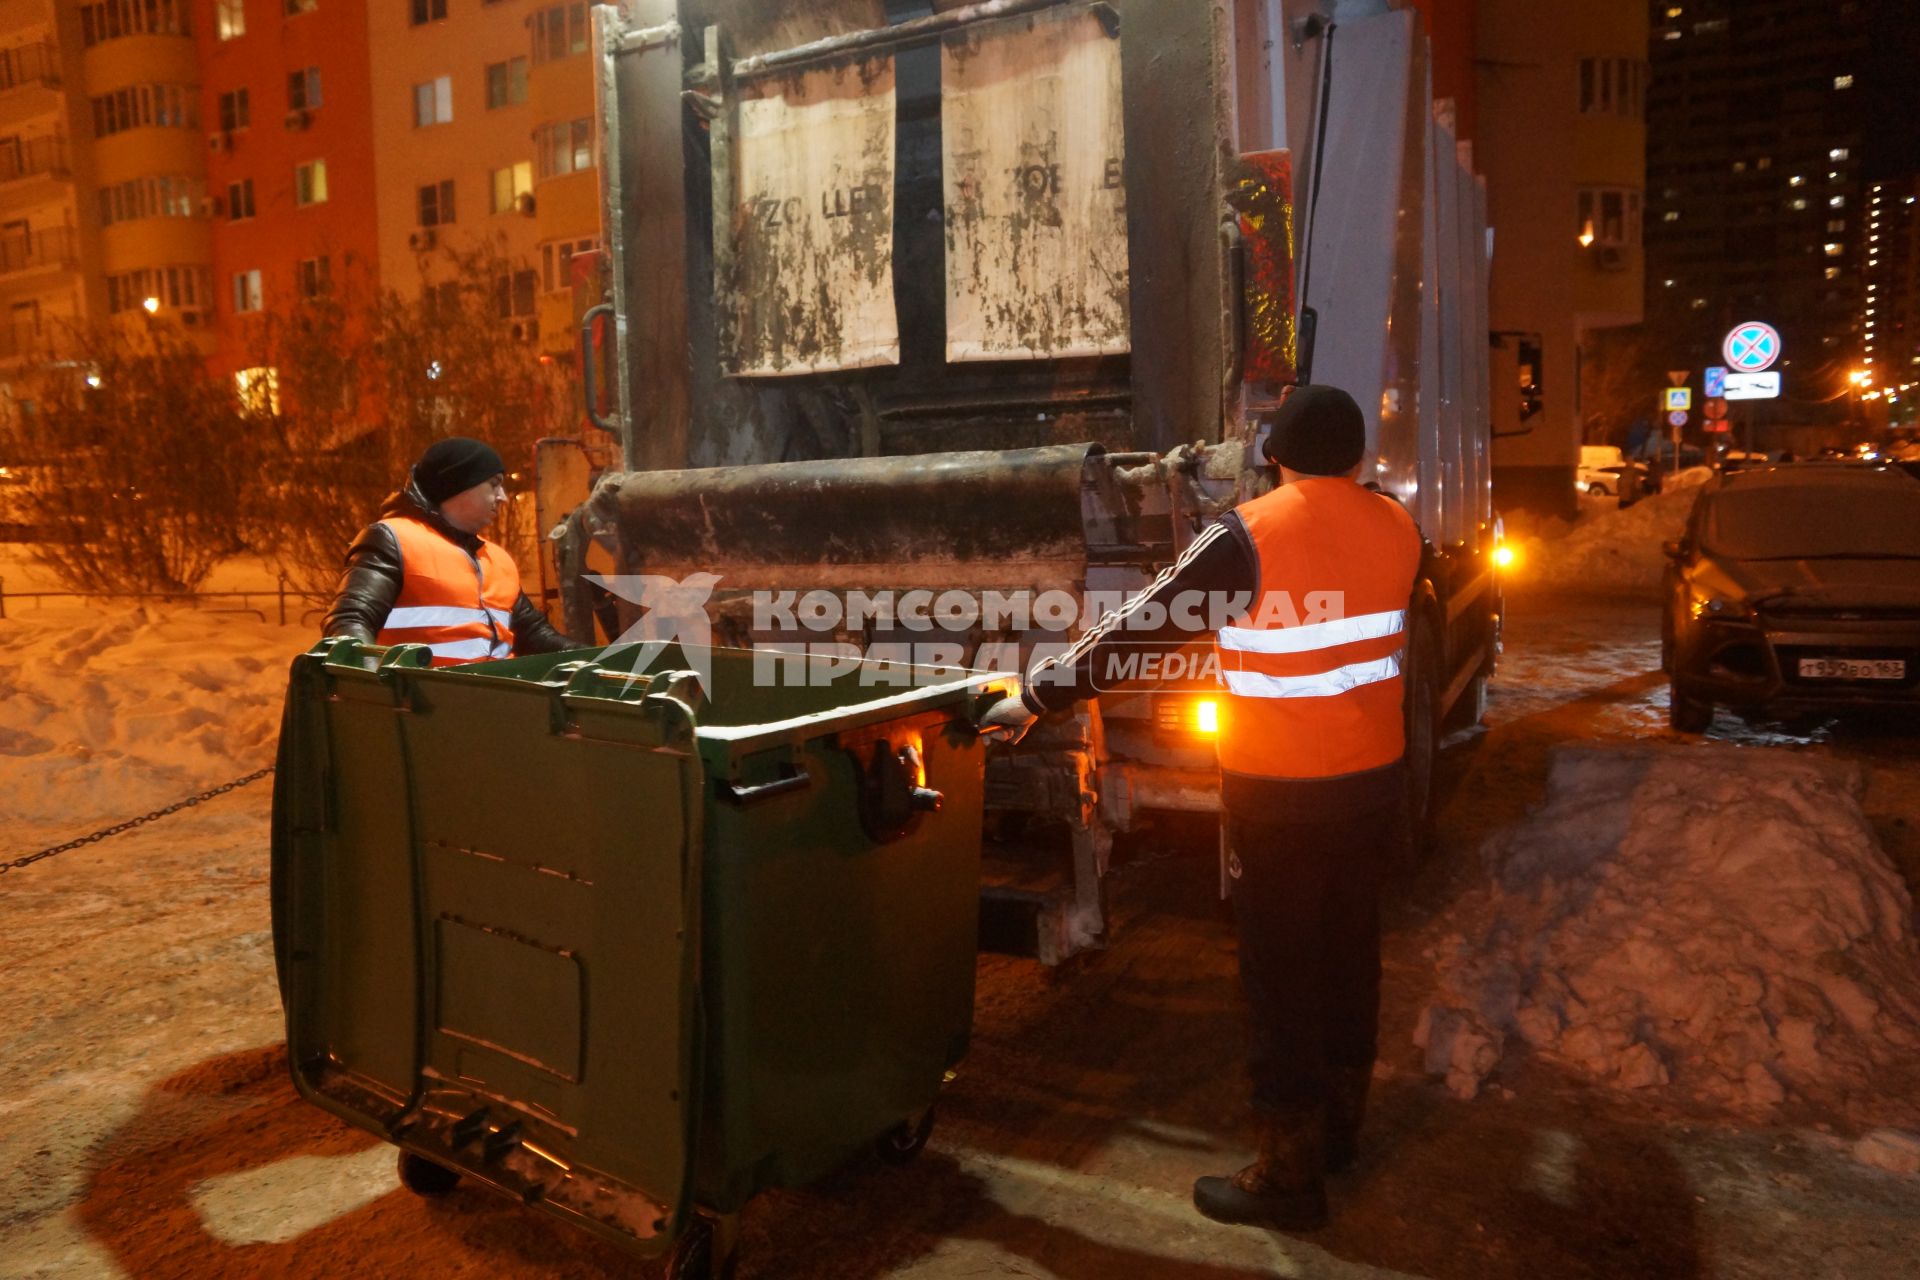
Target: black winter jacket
[371, 582]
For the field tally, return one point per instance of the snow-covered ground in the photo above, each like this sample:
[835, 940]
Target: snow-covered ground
[108, 711]
[1718, 920]
[1611, 549]
[1720, 917]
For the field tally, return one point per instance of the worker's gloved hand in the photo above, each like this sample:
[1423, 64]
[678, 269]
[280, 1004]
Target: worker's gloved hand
[1007, 720]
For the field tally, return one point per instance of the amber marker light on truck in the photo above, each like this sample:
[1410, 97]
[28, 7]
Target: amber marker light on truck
[1206, 715]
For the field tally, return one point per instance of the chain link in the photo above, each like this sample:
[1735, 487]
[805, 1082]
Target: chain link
[131, 823]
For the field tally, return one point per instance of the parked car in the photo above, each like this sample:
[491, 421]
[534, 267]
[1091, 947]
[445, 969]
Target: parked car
[1605, 482]
[1795, 589]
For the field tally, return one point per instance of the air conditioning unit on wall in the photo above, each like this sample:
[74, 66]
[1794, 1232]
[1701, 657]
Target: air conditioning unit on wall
[1612, 258]
[218, 141]
[298, 118]
[422, 240]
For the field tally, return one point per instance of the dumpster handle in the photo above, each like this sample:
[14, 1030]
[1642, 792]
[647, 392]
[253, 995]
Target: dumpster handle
[589, 382]
[793, 780]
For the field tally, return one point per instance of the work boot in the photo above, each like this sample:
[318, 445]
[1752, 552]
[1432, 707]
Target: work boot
[1283, 1188]
[1346, 1108]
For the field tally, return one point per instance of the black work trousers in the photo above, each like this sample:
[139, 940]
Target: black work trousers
[1306, 900]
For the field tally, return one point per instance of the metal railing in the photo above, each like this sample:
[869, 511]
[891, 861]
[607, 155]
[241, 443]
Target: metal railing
[279, 595]
[36, 156]
[53, 247]
[29, 64]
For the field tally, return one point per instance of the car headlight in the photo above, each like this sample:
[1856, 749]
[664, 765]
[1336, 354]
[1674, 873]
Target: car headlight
[1718, 608]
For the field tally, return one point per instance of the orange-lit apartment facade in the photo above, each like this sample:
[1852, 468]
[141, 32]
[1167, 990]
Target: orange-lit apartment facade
[285, 107]
[209, 162]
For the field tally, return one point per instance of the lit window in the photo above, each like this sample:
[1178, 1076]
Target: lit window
[1796, 204]
[246, 291]
[310, 183]
[1838, 153]
[433, 102]
[230, 18]
[1833, 273]
[1833, 250]
[1796, 181]
[1739, 166]
[1674, 11]
[1843, 82]
[1670, 283]
[510, 184]
[1699, 304]
[1836, 202]
[1671, 215]
[258, 388]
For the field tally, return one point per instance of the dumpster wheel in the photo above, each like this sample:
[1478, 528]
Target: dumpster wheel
[425, 1178]
[904, 1141]
[693, 1255]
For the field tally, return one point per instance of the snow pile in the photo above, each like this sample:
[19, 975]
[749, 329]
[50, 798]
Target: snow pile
[106, 713]
[1615, 550]
[1711, 918]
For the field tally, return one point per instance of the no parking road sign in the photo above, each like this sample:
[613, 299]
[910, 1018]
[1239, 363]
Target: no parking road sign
[1678, 418]
[1751, 347]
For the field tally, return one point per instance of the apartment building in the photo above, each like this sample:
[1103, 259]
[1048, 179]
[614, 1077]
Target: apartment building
[102, 176]
[454, 144]
[1755, 183]
[1562, 140]
[566, 190]
[286, 112]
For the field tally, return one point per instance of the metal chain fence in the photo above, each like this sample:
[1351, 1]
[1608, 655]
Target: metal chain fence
[131, 823]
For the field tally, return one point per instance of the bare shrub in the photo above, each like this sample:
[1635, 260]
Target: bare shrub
[136, 456]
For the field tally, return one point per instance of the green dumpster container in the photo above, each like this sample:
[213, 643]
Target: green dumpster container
[626, 949]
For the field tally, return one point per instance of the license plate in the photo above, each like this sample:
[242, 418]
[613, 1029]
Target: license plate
[1853, 668]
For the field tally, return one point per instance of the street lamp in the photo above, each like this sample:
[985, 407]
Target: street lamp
[150, 305]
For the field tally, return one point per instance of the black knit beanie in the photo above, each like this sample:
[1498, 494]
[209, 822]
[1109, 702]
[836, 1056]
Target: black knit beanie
[453, 465]
[1317, 431]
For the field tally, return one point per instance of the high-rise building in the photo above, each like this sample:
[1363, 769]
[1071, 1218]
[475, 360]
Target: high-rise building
[1891, 269]
[286, 111]
[1561, 136]
[454, 141]
[1757, 124]
[102, 169]
[566, 182]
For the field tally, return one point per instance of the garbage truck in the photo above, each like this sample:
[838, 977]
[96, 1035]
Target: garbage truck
[990, 298]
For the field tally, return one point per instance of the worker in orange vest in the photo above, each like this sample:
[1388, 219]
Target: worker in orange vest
[1317, 575]
[422, 573]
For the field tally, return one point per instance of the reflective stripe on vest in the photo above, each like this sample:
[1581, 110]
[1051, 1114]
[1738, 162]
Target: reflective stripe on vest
[1311, 695]
[460, 606]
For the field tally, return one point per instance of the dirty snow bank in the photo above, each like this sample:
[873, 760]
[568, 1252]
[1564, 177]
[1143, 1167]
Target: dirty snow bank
[1715, 919]
[1614, 550]
[108, 712]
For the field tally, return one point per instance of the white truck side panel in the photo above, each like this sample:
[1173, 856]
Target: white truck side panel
[1349, 262]
[1454, 317]
[1430, 503]
[1478, 439]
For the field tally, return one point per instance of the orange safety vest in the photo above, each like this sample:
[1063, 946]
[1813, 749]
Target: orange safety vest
[1312, 670]
[458, 605]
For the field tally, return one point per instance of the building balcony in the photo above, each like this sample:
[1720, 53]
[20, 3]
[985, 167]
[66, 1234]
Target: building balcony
[29, 65]
[35, 158]
[56, 247]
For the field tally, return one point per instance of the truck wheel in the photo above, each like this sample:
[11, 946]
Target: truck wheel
[900, 1144]
[1685, 714]
[693, 1255]
[425, 1178]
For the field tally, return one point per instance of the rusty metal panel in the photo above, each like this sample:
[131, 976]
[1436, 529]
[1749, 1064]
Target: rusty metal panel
[1036, 210]
[1261, 195]
[809, 287]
